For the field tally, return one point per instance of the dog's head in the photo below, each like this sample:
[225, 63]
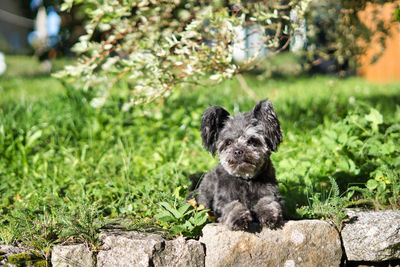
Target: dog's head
[243, 142]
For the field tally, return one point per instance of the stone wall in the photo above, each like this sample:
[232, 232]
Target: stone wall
[367, 238]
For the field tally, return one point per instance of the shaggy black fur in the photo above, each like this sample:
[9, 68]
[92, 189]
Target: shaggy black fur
[242, 188]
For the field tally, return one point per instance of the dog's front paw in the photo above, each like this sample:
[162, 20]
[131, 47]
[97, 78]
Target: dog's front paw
[270, 218]
[240, 221]
[270, 214]
[236, 216]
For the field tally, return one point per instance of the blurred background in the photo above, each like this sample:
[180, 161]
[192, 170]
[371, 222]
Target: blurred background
[39, 29]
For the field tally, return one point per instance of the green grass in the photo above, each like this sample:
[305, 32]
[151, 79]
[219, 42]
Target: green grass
[68, 169]
[25, 80]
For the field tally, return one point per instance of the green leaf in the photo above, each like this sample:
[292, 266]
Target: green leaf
[33, 137]
[329, 142]
[185, 209]
[331, 134]
[188, 226]
[388, 148]
[395, 128]
[343, 164]
[354, 142]
[171, 210]
[397, 14]
[164, 216]
[343, 138]
[372, 184]
[350, 194]
[381, 186]
[200, 218]
[177, 229]
[375, 118]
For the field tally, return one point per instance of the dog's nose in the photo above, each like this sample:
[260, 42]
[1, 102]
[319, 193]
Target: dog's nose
[238, 152]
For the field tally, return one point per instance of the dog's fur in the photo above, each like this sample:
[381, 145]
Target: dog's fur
[242, 188]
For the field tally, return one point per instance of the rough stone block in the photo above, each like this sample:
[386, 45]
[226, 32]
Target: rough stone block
[372, 235]
[297, 243]
[143, 249]
[180, 253]
[127, 248]
[72, 255]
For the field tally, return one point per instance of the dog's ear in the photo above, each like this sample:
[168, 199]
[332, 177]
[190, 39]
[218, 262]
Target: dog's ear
[212, 122]
[264, 112]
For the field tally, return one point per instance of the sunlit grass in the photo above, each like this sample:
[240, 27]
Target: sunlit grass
[56, 152]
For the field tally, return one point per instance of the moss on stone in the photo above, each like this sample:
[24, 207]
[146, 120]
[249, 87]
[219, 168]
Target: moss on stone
[19, 258]
[40, 263]
[26, 259]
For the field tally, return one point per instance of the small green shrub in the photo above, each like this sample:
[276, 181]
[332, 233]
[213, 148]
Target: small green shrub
[183, 218]
[82, 221]
[360, 156]
[328, 207]
[34, 224]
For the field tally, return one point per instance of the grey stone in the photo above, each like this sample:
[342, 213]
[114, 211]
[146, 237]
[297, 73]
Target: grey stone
[297, 243]
[127, 248]
[372, 235]
[15, 256]
[71, 256]
[142, 249]
[180, 253]
[6, 250]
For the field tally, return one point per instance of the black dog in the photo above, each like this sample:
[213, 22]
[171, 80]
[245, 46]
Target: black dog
[242, 188]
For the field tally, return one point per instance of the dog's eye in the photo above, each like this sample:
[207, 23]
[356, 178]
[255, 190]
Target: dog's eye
[254, 142]
[228, 142]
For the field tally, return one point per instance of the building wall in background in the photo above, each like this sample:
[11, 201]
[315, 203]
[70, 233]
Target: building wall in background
[14, 28]
[387, 67]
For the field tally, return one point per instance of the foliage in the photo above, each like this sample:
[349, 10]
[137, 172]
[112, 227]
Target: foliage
[34, 225]
[186, 220]
[82, 221]
[329, 207]
[146, 49]
[158, 45]
[397, 14]
[361, 154]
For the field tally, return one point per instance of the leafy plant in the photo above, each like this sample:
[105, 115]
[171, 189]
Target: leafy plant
[82, 221]
[150, 48]
[329, 207]
[361, 154]
[37, 231]
[397, 14]
[184, 219]
[380, 192]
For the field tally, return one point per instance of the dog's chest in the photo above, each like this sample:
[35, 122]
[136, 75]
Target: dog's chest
[246, 192]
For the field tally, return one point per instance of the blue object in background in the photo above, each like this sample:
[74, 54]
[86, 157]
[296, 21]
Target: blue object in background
[35, 4]
[53, 26]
